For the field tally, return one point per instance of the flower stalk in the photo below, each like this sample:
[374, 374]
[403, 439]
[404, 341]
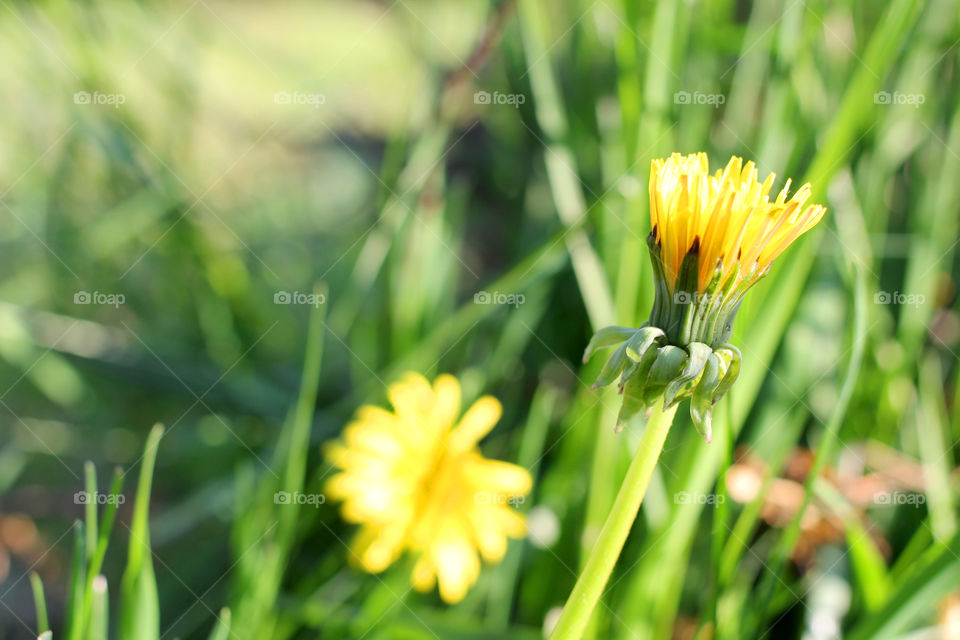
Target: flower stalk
[593, 579]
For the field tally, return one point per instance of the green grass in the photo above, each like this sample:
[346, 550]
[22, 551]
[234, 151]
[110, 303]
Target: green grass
[200, 198]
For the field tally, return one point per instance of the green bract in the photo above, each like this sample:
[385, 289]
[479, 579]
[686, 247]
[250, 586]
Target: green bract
[682, 350]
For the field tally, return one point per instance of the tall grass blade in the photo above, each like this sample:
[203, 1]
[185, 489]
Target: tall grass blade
[139, 617]
[933, 438]
[222, 629]
[99, 610]
[100, 548]
[75, 600]
[90, 507]
[936, 573]
[39, 602]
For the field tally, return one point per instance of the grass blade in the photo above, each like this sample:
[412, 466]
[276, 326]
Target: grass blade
[75, 601]
[90, 508]
[831, 436]
[932, 436]
[222, 629]
[100, 550]
[938, 571]
[867, 562]
[139, 606]
[273, 525]
[39, 602]
[99, 616]
[561, 171]
[533, 440]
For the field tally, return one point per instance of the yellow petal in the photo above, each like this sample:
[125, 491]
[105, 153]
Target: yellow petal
[488, 536]
[411, 395]
[457, 566]
[335, 453]
[376, 549]
[500, 477]
[378, 440]
[476, 423]
[512, 523]
[424, 575]
[375, 415]
[492, 545]
[446, 394]
[337, 487]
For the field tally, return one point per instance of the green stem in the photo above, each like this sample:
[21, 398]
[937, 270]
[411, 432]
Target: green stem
[590, 585]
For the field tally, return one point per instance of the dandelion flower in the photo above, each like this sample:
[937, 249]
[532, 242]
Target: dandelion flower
[713, 237]
[414, 480]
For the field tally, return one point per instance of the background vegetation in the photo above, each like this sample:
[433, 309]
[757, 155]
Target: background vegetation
[230, 152]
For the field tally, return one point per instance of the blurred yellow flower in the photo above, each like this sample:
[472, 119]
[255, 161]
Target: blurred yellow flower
[414, 479]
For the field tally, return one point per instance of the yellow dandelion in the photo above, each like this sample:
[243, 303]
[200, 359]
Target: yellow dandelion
[414, 480]
[727, 218]
[712, 237]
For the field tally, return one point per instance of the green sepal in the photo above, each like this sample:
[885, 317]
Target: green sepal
[607, 337]
[612, 368]
[669, 363]
[661, 291]
[641, 370]
[629, 371]
[685, 296]
[701, 403]
[699, 352]
[641, 341]
[733, 370]
[632, 388]
[631, 406]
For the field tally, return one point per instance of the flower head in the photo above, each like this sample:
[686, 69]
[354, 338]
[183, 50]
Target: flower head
[414, 479]
[726, 219]
[712, 238]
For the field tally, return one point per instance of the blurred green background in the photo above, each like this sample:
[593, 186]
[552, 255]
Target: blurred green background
[177, 179]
